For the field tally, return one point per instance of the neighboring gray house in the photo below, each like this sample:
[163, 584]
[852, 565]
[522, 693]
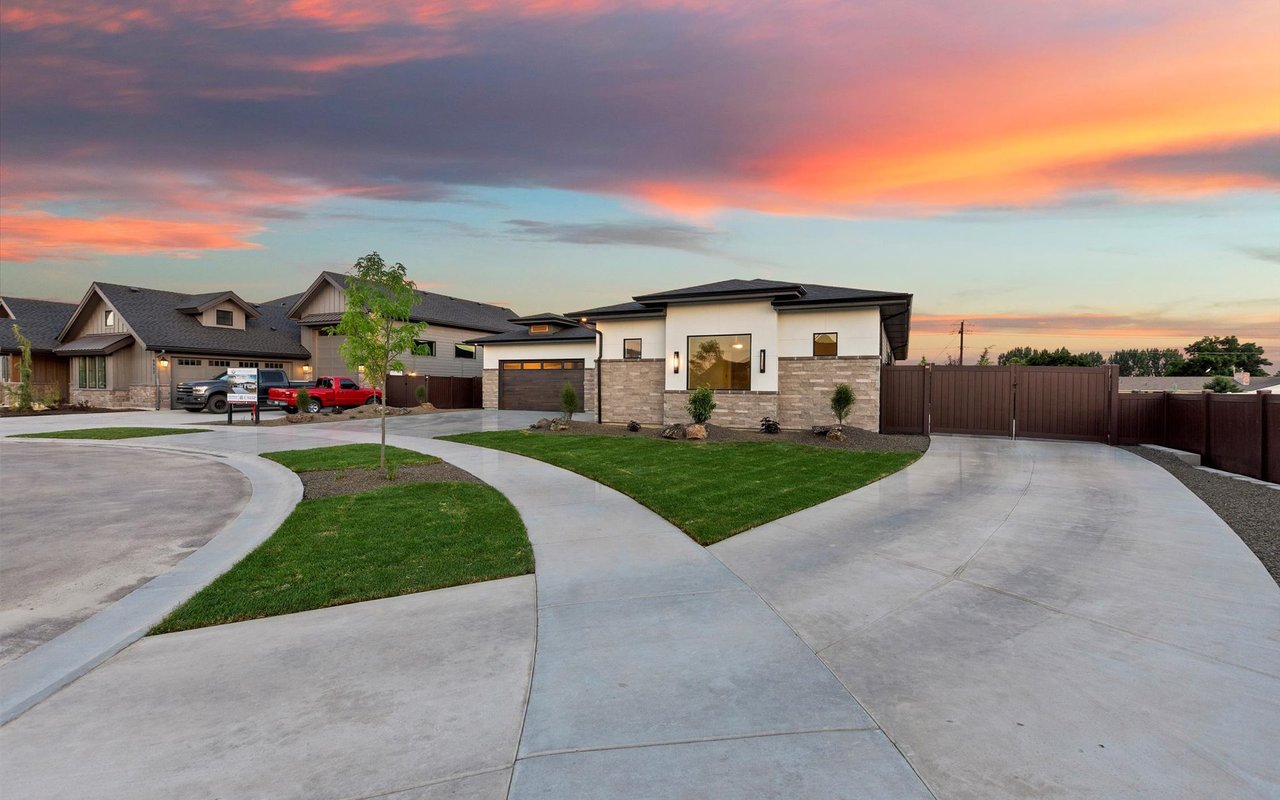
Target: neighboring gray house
[527, 367]
[40, 321]
[444, 349]
[130, 346]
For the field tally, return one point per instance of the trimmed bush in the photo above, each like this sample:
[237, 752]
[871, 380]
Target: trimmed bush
[304, 397]
[421, 394]
[568, 402]
[701, 403]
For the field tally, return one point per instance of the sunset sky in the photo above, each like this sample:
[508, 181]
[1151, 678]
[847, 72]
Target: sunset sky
[1095, 174]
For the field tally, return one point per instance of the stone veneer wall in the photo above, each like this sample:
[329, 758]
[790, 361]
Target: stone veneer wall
[805, 386]
[104, 398]
[632, 390]
[734, 408]
[589, 392]
[490, 388]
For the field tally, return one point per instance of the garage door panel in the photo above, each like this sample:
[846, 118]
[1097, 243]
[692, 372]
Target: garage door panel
[536, 385]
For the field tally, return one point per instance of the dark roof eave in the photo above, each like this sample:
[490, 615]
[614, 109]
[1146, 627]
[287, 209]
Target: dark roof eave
[179, 349]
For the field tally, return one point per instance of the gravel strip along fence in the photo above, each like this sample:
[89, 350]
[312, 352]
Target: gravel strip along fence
[1252, 510]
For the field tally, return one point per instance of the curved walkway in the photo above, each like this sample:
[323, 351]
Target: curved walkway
[1035, 619]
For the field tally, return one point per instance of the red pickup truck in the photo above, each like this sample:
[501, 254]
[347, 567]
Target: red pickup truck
[332, 391]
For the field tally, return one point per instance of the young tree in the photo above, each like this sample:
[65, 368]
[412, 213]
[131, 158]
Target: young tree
[984, 360]
[568, 402]
[380, 300]
[24, 401]
[842, 401]
[924, 362]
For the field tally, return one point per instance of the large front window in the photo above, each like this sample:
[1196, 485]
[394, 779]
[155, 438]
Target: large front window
[721, 362]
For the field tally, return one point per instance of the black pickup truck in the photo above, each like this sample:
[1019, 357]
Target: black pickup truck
[211, 395]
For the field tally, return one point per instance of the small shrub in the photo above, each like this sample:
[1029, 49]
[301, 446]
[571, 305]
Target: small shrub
[568, 403]
[842, 400]
[421, 394]
[303, 398]
[24, 400]
[391, 471]
[1222, 385]
[701, 403]
[770, 425]
[633, 426]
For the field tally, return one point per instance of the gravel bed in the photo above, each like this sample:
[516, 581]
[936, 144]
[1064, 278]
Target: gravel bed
[855, 438]
[334, 482]
[1252, 510]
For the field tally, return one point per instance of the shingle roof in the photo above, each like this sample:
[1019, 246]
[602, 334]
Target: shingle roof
[154, 316]
[1189, 383]
[619, 309]
[455, 312]
[729, 287]
[40, 320]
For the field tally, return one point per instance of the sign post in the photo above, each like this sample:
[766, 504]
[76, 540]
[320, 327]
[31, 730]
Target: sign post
[242, 383]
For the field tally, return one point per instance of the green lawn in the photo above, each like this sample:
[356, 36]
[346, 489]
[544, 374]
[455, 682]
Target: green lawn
[109, 433]
[712, 490]
[346, 456]
[382, 543]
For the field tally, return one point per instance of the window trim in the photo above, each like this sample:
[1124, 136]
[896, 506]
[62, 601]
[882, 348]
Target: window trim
[217, 317]
[540, 328]
[639, 349]
[459, 347]
[109, 318]
[834, 335]
[429, 344]
[97, 377]
[688, 373]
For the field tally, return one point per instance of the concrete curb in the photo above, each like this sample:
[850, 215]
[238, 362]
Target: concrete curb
[56, 663]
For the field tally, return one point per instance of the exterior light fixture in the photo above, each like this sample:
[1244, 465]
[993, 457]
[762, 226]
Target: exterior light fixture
[162, 362]
[762, 360]
[360, 368]
[306, 369]
[675, 363]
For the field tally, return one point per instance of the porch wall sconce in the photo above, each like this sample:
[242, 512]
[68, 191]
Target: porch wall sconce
[361, 368]
[306, 369]
[162, 362]
[675, 363]
[762, 361]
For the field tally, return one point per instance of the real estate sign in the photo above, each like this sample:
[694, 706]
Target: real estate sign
[242, 385]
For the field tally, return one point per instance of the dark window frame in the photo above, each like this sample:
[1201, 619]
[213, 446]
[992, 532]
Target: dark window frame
[688, 372]
[424, 348]
[231, 317]
[835, 343]
[460, 351]
[639, 349]
[109, 318]
[91, 378]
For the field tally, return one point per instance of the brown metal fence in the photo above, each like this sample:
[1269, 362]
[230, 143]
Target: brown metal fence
[442, 392]
[1064, 402]
[1237, 433]
[904, 400]
[976, 400]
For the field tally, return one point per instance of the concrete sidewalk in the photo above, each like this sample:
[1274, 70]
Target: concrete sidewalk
[1039, 619]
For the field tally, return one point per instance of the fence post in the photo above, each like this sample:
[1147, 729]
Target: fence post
[1264, 472]
[1206, 439]
[1164, 419]
[1113, 404]
[926, 387]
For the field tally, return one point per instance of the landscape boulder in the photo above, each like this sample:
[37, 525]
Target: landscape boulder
[676, 431]
[696, 431]
[633, 426]
[541, 425]
[836, 434]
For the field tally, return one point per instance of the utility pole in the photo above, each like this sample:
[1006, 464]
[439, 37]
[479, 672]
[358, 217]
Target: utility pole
[962, 342]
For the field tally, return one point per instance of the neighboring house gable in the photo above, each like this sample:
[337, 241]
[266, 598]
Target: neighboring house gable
[40, 321]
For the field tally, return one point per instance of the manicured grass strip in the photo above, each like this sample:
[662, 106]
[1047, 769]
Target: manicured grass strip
[346, 456]
[712, 490]
[382, 543]
[108, 433]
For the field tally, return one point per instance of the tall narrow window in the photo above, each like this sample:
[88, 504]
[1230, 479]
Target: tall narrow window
[721, 362]
[109, 318]
[824, 344]
[631, 348]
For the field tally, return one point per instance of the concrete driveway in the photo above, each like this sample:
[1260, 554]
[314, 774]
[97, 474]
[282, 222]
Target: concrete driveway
[1035, 619]
[85, 525]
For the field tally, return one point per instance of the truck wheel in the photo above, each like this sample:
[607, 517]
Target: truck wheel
[217, 404]
[314, 406]
[370, 401]
[193, 410]
[291, 409]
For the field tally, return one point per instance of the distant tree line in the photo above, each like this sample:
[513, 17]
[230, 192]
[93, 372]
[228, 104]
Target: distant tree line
[1208, 356]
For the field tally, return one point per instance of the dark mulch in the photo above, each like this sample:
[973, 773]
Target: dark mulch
[1252, 510]
[55, 412]
[855, 438]
[334, 482]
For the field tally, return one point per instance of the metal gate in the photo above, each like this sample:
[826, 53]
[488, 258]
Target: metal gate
[1075, 403]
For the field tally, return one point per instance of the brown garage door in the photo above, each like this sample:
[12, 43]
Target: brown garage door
[536, 385]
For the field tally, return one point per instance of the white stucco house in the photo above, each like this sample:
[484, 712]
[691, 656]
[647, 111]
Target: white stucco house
[767, 348]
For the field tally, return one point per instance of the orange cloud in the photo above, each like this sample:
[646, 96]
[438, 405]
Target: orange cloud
[28, 236]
